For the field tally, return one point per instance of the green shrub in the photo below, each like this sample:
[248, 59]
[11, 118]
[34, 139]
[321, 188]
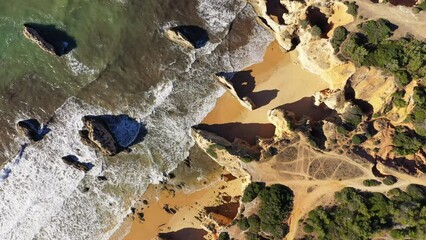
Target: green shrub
[389, 180]
[243, 224]
[402, 77]
[251, 191]
[358, 139]
[376, 30]
[254, 222]
[245, 159]
[341, 129]
[304, 23]
[352, 8]
[353, 49]
[339, 36]
[405, 143]
[397, 99]
[308, 228]
[252, 236]
[419, 96]
[371, 183]
[364, 215]
[275, 206]
[224, 236]
[316, 31]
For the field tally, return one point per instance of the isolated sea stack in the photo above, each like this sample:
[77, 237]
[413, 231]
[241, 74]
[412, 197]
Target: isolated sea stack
[35, 37]
[30, 128]
[188, 36]
[110, 134]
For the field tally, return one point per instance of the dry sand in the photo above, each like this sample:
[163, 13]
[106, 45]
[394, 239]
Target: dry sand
[188, 206]
[278, 80]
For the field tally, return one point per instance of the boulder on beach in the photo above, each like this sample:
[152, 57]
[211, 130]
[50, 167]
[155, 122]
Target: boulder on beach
[188, 36]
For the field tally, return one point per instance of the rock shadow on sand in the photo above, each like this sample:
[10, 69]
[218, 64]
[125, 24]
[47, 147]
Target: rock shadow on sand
[306, 107]
[248, 132]
[184, 234]
[244, 84]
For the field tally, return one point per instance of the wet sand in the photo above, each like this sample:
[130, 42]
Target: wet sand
[278, 80]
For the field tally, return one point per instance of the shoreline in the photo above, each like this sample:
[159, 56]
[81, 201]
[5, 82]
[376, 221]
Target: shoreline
[278, 70]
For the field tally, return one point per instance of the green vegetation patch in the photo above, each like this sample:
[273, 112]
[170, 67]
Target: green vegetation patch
[406, 142]
[397, 99]
[339, 36]
[224, 236]
[405, 58]
[418, 114]
[390, 180]
[251, 191]
[371, 183]
[352, 8]
[362, 215]
[276, 204]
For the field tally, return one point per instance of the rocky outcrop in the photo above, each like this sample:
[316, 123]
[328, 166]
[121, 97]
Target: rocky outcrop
[73, 161]
[373, 86]
[283, 121]
[333, 99]
[109, 133]
[217, 147]
[34, 36]
[188, 36]
[224, 79]
[98, 135]
[30, 129]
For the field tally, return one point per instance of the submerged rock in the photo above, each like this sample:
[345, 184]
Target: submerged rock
[34, 36]
[73, 161]
[188, 36]
[30, 128]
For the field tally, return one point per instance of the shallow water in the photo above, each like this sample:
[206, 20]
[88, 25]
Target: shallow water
[122, 64]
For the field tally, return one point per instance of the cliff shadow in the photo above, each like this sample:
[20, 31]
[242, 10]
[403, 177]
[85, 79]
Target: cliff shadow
[184, 234]
[306, 107]
[60, 40]
[365, 107]
[276, 9]
[318, 18]
[244, 84]
[248, 132]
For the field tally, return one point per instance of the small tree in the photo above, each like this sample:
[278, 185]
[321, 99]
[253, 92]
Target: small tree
[316, 31]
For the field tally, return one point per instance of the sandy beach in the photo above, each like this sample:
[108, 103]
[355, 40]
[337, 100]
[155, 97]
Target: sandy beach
[277, 81]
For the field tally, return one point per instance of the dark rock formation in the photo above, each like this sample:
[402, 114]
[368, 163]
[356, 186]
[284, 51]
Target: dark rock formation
[73, 161]
[188, 36]
[31, 128]
[111, 134]
[49, 38]
[35, 37]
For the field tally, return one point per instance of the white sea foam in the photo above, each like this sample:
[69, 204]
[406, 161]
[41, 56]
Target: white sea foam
[77, 67]
[43, 198]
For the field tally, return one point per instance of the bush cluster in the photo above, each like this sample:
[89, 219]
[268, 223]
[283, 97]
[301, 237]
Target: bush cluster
[276, 204]
[418, 114]
[339, 36]
[406, 143]
[404, 58]
[251, 191]
[224, 236]
[371, 182]
[397, 99]
[360, 215]
[352, 8]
